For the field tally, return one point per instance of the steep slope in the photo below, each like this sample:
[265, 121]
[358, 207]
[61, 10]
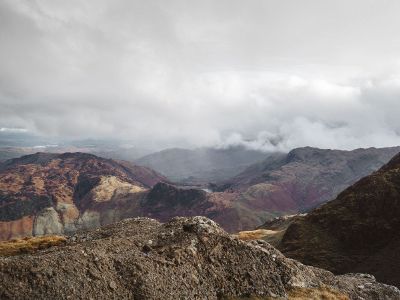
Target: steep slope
[358, 231]
[202, 165]
[305, 178]
[186, 258]
[54, 193]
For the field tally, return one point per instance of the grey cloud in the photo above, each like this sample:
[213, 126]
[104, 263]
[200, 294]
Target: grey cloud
[266, 74]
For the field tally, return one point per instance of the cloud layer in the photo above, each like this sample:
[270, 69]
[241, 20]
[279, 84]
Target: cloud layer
[266, 74]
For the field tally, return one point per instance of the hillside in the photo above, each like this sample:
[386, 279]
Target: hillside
[186, 258]
[357, 232]
[202, 165]
[56, 193]
[305, 177]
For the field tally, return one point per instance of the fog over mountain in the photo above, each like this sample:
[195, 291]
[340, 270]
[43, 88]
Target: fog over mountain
[271, 75]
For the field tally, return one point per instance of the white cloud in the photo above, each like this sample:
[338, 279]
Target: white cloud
[267, 74]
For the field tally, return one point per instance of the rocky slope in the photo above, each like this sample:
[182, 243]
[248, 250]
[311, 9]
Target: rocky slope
[304, 178]
[358, 231]
[56, 193]
[202, 165]
[186, 258]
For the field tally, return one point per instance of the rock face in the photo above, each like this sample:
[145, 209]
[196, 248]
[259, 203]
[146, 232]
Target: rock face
[58, 193]
[358, 231]
[304, 178]
[186, 258]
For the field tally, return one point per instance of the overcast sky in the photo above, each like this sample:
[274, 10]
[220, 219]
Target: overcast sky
[271, 74]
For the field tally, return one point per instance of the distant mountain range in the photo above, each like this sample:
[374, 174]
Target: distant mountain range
[305, 177]
[202, 165]
[60, 193]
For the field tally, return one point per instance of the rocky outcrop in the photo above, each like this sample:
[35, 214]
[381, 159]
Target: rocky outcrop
[47, 222]
[186, 258]
[356, 232]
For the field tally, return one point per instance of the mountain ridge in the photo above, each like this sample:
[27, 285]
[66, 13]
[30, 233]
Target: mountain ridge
[357, 231]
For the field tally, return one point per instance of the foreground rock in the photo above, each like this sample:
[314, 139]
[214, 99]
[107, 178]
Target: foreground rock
[186, 258]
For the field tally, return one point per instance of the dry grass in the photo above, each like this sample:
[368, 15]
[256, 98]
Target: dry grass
[255, 234]
[322, 293]
[30, 244]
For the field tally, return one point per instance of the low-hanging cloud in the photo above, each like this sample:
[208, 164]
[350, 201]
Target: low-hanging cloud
[203, 73]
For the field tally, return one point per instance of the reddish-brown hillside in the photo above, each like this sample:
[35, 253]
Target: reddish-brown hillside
[305, 177]
[52, 193]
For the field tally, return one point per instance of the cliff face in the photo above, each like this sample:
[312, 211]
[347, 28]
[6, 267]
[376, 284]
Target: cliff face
[358, 231]
[185, 258]
[56, 193]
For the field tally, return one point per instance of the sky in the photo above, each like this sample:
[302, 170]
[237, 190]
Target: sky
[271, 75]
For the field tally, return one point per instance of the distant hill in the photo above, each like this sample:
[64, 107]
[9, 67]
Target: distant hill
[305, 177]
[56, 193]
[202, 165]
[106, 151]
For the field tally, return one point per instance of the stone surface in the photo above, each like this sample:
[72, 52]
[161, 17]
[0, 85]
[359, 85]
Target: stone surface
[185, 258]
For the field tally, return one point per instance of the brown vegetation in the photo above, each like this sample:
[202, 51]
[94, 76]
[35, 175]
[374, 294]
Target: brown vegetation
[30, 244]
[322, 293]
[255, 234]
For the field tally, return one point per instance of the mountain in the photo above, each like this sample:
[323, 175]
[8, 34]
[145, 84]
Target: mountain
[185, 258]
[104, 150]
[202, 165]
[357, 232]
[305, 177]
[60, 193]
[56, 193]
[48, 193]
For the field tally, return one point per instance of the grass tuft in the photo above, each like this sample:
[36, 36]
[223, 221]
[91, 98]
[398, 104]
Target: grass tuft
[30, 244]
